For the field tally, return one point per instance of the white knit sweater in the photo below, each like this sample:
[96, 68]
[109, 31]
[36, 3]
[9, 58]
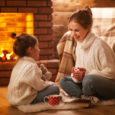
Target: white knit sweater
[25, 82]
[96, 56]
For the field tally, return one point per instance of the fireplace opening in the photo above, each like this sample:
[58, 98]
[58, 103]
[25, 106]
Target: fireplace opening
[13, 22]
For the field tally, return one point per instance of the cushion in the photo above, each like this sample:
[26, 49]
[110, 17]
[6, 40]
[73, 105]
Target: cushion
[109, 36]
[104, 24]
[102, 18]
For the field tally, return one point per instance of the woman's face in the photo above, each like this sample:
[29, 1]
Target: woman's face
[77, 31]
[34, 51]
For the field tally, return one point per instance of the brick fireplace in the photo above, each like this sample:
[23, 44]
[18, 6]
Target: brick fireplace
[17, 22]
[42, 20]
[41, 10]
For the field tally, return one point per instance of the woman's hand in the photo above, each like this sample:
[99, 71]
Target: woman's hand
[79, 73]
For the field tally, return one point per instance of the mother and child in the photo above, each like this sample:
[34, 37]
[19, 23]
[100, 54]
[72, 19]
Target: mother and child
[94, 59]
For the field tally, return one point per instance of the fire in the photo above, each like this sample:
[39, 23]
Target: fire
[13, 22]
[6, 56]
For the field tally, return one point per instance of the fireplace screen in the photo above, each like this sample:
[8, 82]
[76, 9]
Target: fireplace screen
[13, 22]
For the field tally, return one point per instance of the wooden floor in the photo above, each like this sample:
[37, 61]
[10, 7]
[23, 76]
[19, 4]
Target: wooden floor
[6, 109]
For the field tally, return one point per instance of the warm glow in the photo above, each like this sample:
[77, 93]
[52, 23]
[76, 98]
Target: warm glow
[1, 55]
[13, 22]
[8, 56]
[29, 17]
[29, 25]
[3, 25]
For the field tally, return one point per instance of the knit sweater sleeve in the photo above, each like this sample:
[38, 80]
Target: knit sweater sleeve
[33, 79]
[105, 60]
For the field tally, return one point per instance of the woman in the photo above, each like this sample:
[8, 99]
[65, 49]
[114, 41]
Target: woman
[94, 58]
[26, 84]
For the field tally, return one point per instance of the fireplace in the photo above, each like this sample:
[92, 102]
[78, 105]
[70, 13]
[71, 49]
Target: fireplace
[42, 21]
[34, 17]
[13, 22]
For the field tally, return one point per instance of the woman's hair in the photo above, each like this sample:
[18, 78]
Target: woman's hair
[22, 43]
[83, 17]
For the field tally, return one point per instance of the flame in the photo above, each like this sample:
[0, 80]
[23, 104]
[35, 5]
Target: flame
[13, 22]
[2, 55]
[8, 56]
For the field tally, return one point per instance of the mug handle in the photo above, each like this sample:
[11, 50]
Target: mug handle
[46, 97]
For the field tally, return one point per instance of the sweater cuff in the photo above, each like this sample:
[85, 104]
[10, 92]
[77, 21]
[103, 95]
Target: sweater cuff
[50, 83]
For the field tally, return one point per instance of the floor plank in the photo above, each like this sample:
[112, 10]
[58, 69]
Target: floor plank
[6, 109]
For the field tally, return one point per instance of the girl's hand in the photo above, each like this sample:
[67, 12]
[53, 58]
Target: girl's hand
[43, 68]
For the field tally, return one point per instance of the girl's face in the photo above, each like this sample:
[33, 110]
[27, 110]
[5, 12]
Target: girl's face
[34, 51]
[77, 31]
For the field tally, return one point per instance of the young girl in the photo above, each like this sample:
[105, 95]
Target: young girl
[26, 85]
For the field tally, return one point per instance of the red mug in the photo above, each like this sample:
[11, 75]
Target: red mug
[53, 99]
[75, 69]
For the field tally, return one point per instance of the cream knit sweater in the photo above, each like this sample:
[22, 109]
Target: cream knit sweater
[25, 82]
[96, 56]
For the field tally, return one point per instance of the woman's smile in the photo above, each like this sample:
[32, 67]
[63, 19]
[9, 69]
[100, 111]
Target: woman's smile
[77, 31]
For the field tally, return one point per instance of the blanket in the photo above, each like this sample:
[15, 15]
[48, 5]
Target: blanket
[45, 106]
[66, 103]
[62, 106]
[66, 51]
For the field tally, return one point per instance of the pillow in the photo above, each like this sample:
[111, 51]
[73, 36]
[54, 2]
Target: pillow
[104, 24]
[102, 18]
[109, 36]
